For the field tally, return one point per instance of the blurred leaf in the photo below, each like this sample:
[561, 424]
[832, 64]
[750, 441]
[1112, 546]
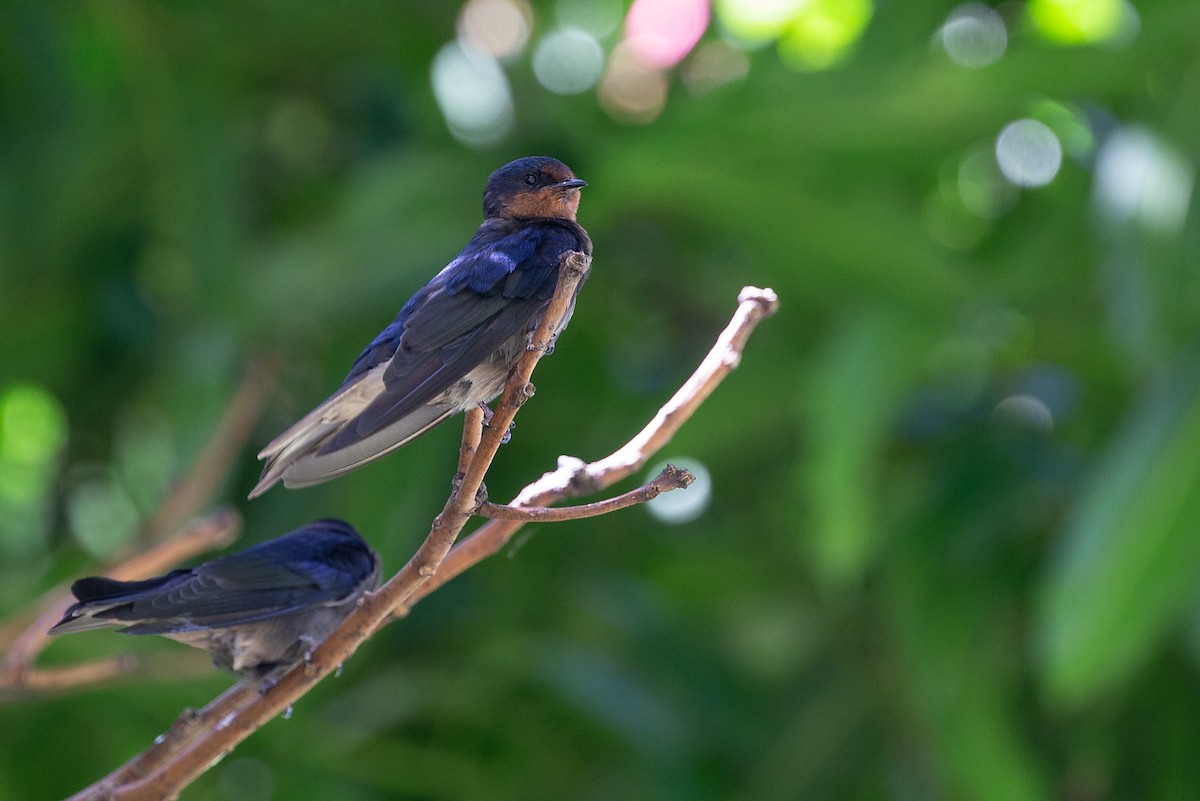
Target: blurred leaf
[33, 431]
[956, 673]
[851, 398]
[1130, 557]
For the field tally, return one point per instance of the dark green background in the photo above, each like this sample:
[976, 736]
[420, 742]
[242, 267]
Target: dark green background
[896, 592]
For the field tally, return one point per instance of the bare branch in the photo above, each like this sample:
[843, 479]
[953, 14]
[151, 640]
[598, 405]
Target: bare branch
[198, 741]
[670, 478]
[193, 758]
[517, 389]
[575, 477]
[56, 679]
[472, 433]
[189, 726]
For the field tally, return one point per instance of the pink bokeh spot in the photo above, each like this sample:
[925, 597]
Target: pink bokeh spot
[661, 32]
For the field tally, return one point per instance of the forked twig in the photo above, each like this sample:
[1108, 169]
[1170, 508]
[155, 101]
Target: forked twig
[670, 478]
[199, 739]
[575, 477]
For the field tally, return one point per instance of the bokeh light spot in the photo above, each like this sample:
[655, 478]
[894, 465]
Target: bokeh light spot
[472, 92]
[33, 431]
[1024, 411]
[662, 32]
[101, 515]
[632, 91]
[974, 35]
[145, 455]
[714, 64]
[1069, 124]
[568, 61]
[951, 223]
[498, 28]
[32, 424]
[1083, 21]
[682, 505]
[1141, 179]
[981, 185]
[823, 32]
[756, 20]
[598, 17]
[1028, 152]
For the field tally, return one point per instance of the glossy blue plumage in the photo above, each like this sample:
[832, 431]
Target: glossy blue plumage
[454, 341]
[254, 610]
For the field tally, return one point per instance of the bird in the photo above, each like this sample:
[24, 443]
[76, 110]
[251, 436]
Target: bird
[453, 343]
[257, 612]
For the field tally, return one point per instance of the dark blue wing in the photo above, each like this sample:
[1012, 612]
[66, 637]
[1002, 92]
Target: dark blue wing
[317, 564]
[486, 296]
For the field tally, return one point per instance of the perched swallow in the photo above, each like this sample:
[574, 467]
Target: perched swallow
[453, 343]
[258, 610]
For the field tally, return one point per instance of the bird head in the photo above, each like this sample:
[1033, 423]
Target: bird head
[535, 186]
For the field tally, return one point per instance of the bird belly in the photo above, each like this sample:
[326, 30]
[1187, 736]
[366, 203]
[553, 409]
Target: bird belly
[255, 649]
[478, 386]
[486, 380]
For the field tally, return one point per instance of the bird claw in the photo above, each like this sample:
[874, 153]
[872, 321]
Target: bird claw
[310, 646]
[268, 682]
[488, 414]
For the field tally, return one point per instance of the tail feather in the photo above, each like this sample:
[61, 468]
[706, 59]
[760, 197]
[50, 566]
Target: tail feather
[80, 621]
[98, 594]
[279, 462]
[316, 467]
[311, 431]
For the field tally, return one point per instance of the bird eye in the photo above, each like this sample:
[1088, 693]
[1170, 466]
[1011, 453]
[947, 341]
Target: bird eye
[531, 179]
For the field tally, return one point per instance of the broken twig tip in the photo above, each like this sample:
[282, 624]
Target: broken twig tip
[766, 298]
[677, 477]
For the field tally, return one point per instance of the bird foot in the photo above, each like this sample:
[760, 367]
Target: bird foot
[310, 644]
[268, 682]
[488, 414]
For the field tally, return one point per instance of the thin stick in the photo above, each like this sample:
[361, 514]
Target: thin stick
[575, 477]
[57, 679]
[190, 725]
[472, 433]
[374, 609]
[190, 748]
[671, 478]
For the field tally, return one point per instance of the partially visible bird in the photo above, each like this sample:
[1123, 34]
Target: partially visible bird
[256, 611]
[454, 342]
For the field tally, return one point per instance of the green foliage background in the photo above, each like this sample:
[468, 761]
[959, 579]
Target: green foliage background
[897, 590]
